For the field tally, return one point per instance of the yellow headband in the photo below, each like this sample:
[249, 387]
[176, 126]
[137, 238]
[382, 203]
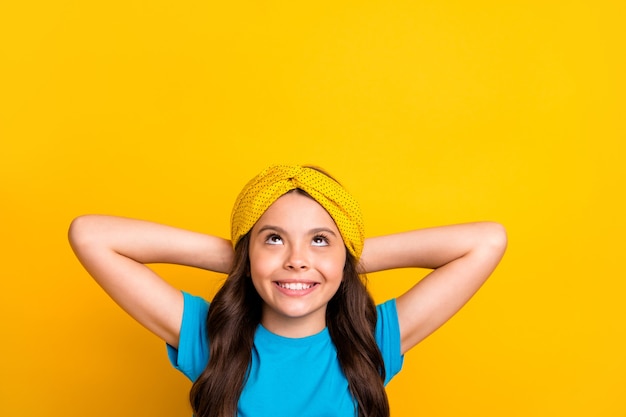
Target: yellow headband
[273, 182]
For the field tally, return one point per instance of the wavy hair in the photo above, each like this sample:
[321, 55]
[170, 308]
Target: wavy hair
[234, 315]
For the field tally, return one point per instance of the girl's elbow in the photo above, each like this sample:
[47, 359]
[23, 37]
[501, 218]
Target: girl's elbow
[496, 238]
[78, 233]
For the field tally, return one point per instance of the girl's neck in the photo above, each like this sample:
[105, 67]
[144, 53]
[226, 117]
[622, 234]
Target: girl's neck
[294, 327]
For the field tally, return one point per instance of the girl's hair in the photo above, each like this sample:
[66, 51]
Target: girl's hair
[234, 315]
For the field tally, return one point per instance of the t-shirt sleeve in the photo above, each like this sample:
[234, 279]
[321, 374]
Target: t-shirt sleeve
[388, 338]
[192, 354]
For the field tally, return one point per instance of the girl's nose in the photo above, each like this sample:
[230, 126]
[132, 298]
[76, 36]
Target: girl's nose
[297, 259]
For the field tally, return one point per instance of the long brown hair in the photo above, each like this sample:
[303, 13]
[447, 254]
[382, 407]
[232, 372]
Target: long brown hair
[234, 315]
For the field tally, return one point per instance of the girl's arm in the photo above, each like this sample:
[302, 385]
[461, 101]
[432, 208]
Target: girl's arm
[114, 250]
[462, 258]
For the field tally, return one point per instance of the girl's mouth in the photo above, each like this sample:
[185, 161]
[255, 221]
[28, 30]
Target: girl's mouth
[296, 286]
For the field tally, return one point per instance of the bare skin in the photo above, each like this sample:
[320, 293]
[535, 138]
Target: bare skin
[296, 263]
[115, 252]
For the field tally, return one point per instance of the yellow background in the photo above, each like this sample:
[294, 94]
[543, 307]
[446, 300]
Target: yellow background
[430, 112]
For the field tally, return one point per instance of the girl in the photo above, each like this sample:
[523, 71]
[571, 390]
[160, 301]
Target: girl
[293, 331]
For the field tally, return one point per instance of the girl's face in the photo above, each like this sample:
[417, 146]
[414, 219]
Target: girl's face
[297, 258]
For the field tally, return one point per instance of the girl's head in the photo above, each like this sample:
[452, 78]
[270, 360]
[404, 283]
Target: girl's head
[301, 226]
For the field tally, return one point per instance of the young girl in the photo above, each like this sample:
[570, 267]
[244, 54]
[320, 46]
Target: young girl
[293, 331]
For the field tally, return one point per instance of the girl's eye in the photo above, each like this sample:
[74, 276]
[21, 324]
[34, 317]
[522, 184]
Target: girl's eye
[320, 240]
[274, 240]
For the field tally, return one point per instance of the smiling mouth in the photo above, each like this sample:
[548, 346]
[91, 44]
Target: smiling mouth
[296, 286]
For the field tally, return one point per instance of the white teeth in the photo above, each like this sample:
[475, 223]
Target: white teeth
[295, 286]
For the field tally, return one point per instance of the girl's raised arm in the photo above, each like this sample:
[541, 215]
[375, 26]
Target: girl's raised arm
[462, 258]
[114, 250]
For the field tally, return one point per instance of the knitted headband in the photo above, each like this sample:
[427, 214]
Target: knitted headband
[273, 182]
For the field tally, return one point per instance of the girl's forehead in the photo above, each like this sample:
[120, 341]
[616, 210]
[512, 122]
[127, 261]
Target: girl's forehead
[298, 209]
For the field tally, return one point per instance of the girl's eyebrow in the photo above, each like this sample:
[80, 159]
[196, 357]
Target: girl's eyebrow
[270, 227]
[322, 229]
[280, 230]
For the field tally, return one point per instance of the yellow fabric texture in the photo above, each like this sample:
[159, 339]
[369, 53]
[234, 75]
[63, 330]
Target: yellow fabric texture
[273, 182]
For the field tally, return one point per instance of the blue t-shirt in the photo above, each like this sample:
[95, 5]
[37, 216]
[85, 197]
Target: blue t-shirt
[288, 376]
